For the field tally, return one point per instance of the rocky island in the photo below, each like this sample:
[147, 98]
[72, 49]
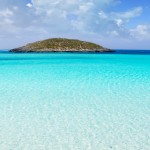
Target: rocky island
[61, 45]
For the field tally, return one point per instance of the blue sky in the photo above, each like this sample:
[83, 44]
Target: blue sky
[112, 23]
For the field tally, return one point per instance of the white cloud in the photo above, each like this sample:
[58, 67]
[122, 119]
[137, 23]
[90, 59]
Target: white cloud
[85, 7]
[119, 22]
[5, 23]
[15, 8]
[6, 13]
[75, 18]
[141, 32]
[6, 19]
[131, 13]
[83, 16]
[122, 18]
[102, 15]
[113, 33]
[29, 5]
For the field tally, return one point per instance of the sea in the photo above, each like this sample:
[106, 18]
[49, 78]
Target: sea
[74, 101]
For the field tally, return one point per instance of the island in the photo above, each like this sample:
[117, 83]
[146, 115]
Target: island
[61, 45]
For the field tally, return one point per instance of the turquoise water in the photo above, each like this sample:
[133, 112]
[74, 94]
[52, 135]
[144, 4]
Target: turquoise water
[74, 102]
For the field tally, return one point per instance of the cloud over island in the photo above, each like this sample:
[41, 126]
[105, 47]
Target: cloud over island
[92, 20]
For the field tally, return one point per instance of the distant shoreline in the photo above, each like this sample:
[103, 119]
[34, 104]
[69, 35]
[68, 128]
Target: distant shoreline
[146, 52]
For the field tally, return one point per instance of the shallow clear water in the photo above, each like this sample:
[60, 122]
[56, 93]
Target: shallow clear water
[74, 102]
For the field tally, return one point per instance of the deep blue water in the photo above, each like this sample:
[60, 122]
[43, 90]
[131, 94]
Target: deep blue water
[115, 52]
[146, 52]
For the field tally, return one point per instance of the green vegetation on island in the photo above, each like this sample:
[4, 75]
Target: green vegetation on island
[61, 45]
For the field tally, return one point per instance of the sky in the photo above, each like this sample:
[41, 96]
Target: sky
[115, 24]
